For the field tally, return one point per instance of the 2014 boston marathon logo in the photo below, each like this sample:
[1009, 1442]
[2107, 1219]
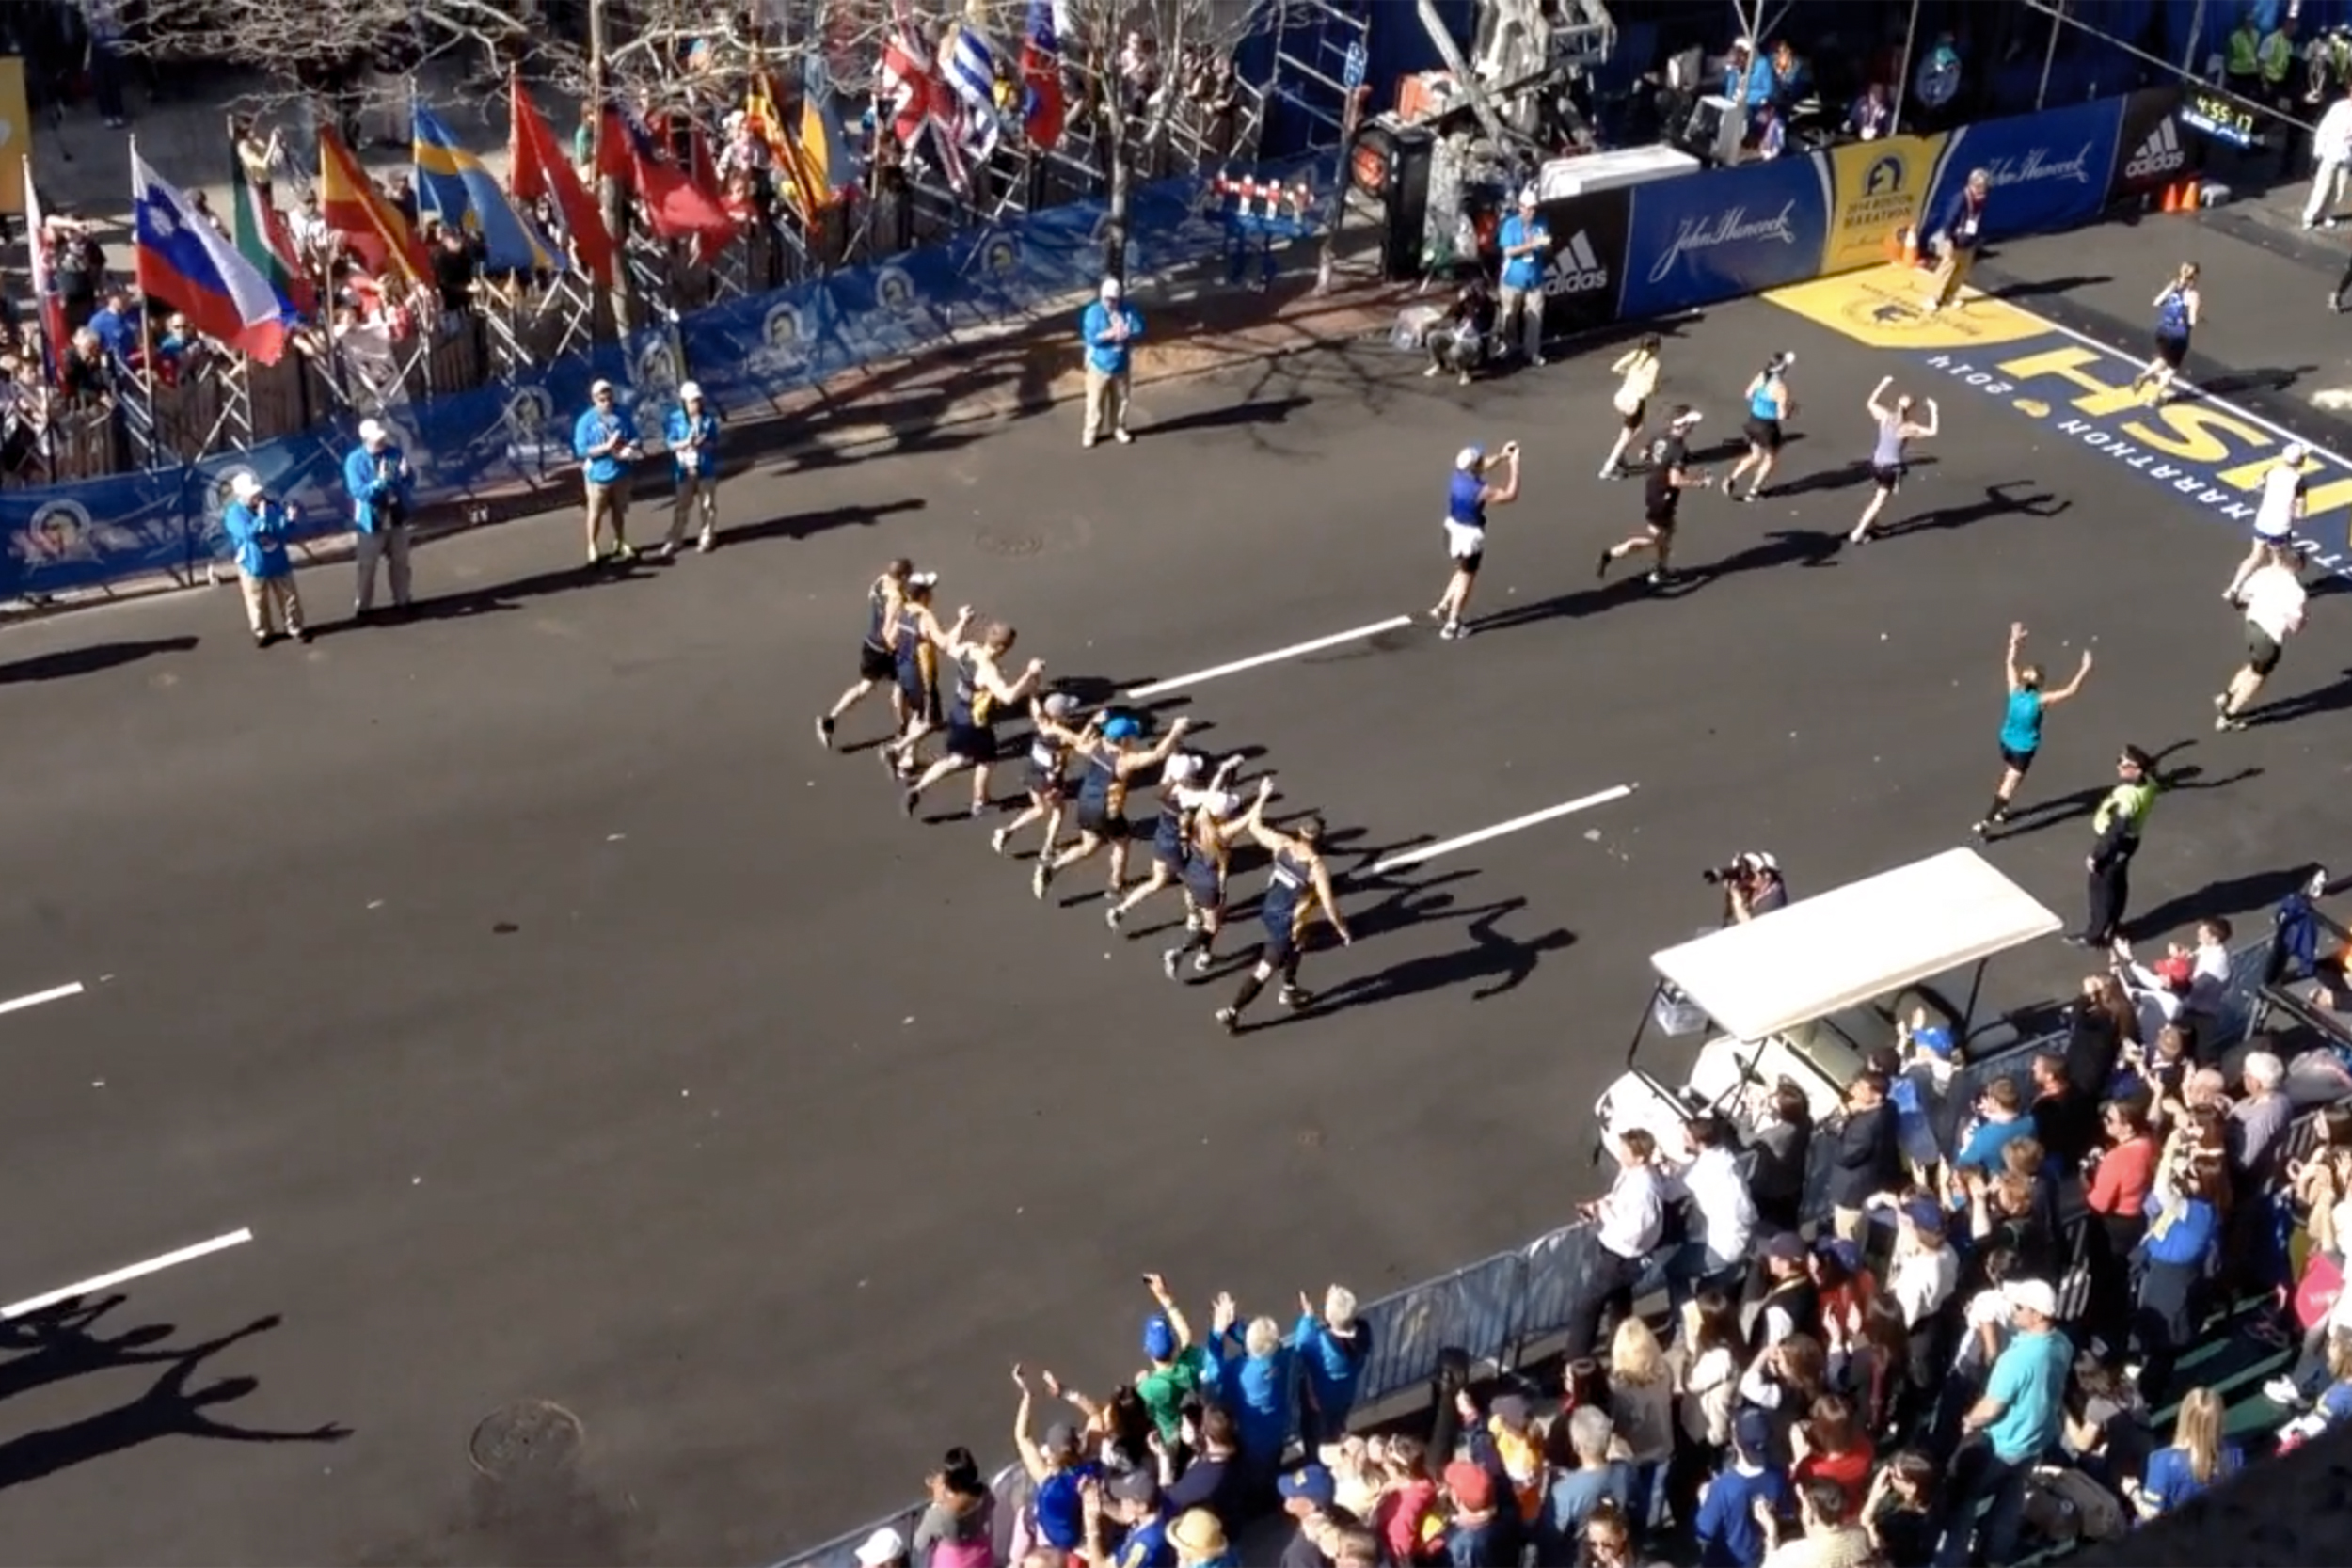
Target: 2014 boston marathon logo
[1000, 256]
[1880, 186]
[782, 332]
[531, 429]
[60, 530]
[894, 291]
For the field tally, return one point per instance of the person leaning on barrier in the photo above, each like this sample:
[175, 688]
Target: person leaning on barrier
[1629, 1223]
[257, 528]
[693, 437]
[381, 486]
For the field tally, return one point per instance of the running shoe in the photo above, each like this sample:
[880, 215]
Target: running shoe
[623, 551]
[1201, 961]
[1112, 917]
[1229, 1020]
[996, 841]
[824, 731]
[1294, 997]
[1039, 880]
[1170, 958]
[707, 543]
[907, 804]
[2227, 725]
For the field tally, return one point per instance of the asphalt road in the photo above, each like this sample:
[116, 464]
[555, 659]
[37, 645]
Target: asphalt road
[565, 1026]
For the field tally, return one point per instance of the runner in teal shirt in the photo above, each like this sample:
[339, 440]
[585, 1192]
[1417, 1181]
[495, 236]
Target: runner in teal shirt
[2020, 725]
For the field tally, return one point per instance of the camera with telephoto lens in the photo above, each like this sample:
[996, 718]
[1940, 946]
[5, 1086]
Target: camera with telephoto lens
[1739, 868]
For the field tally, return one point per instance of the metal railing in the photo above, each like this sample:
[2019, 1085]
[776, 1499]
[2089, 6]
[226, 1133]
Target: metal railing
[1498, 1308]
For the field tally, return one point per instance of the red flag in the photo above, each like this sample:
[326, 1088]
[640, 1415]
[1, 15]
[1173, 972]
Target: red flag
[53, 327]
[538, 168]
[675, 206]
[1043, 111]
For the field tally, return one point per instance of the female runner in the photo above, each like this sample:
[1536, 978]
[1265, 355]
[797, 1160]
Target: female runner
[875, 665]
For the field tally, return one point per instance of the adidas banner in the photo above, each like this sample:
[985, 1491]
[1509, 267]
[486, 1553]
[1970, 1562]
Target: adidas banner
[1587, 272]
[2155, 149]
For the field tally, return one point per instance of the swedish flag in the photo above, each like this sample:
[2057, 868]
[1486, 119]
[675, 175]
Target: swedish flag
[452, 185]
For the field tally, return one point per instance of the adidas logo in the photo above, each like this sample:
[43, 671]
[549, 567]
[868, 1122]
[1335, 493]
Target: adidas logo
[2161, 154]
[1580, 271]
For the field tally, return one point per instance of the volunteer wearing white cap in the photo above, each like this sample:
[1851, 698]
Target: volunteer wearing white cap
[257, 528]
[1111, 327]
[1468, 496]
[2276, 515]
[1526, 244]
[605, 441]
[693, 437]
[382, 490]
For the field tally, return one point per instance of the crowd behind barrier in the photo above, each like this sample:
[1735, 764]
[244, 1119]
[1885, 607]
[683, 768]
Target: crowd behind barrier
[1504, 1311]
[746, 352]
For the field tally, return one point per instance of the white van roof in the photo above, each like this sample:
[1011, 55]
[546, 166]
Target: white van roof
[1851, 944]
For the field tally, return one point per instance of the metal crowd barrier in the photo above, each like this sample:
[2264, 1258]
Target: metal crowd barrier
[1495, 1309]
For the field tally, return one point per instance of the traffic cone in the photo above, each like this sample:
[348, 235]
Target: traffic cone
[2190, 192]
[2171, 198]
[1910, 247]
[1894, 246]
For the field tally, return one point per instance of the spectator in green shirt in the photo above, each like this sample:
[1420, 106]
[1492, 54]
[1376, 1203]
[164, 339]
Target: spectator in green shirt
[1175, 1366]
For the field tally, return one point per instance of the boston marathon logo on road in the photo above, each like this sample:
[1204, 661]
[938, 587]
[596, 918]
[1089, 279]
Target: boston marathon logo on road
[1731, 227]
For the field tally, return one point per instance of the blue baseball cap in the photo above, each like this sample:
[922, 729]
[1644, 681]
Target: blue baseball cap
[1934, 1038]
[1121, 728]
[1159, 1338]
[1309, 1484]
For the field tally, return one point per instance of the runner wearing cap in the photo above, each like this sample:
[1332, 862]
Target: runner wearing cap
[982, 692]
[1769, 404]
[1468, 496]
[1050, 743]
[1298, 889]
[1670, 474]
[693, 437]
[605, 441]
[1112, 756]
[2276, 515]
[1181, 788]
[2274, 599]
[874, 662]
[257, 528]
[1897, 430]
[382, 490]
[1525, 241]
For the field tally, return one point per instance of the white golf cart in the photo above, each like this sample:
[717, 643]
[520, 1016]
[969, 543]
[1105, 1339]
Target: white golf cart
[1809, 992]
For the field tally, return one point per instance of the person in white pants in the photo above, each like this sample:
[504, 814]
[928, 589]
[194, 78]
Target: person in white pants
[382, 488]
[2331, 152]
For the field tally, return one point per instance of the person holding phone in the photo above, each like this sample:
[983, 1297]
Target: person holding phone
[1468, 496]
[605, 441]
[382, 488]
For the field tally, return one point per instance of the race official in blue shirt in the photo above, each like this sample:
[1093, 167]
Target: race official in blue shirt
[692, 438]
[1961, 232]
[1526, 246]
[1110, 328]
[605, 441]
[382, 489]
[257, 528]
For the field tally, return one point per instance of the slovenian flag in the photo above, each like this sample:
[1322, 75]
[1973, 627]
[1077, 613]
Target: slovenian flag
[182, 260]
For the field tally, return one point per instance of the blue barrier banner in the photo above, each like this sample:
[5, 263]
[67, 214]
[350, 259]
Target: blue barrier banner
[1724, 233]
[2049, 170]
[749, 351]
[72, 536]
[304, 471]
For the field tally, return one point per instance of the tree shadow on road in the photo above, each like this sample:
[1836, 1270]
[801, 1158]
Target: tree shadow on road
[803, 525]
[170, 1408]
[67, 662]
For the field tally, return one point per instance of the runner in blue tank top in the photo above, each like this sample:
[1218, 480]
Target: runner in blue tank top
[1298, 888]
[915, 636]
[875, 665]
[982, 691]
[1171, 843]
[1769, 404]
[1109, 757]
[1050, 742]
[2178, 306]
[1897, 430]
[2020, 725]
[1466, 497]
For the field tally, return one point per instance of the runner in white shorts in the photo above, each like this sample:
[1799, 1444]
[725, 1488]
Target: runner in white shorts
[1468, 496]
[2275, 515]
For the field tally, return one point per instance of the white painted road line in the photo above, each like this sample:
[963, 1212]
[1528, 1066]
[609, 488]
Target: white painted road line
[123, 1277]
[1447, 846]
[54, 993]
[1295, 650]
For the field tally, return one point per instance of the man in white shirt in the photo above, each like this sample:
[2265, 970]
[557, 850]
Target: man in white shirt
[1629, 1223]
[2274, 600]
[2275, 515]
[2331, 151]
[1723, 1214]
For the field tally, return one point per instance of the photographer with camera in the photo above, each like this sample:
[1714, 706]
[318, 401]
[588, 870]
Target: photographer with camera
[1751, 885]
[381, 485]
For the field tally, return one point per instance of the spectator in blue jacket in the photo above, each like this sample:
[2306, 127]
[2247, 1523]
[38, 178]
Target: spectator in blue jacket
[1747, 77]
[377, 478]
[1959, 234]
[1525, 243]
[257, 528]
[1110, 329]
[1333, 1346]
[605, 441]
[692, 438]
[1255, 1373]
[1728, 1533]
[2175, 1257]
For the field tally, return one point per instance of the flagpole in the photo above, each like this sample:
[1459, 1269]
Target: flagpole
[147, 318]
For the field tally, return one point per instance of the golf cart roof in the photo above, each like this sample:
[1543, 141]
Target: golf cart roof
[1853, 944]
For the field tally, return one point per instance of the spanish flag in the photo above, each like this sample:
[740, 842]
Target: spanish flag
[353, 208]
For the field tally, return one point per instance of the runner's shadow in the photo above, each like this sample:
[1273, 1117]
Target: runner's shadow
[170, 1408]
[1997, 502]
[1852, 474]
[56, 1343]
[69, 662]
[2332, 698]
[804, 525]
[2238, 896]
[2269, 378]
[2032, 288]
[1493, 961]
[1732, 447]
[1620, 590]
[2035, 816]
[1786, 546]
[1257, 411]
[504, 596]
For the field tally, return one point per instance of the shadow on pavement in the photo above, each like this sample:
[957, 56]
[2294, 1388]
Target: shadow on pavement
[2238, 896]
[2034, 288]
[69, 662]
[1259, 411]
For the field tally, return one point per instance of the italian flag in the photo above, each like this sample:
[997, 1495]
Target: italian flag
[260, 232]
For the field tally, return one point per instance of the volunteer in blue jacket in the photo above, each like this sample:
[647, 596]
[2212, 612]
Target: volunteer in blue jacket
[257, 528]
[1526, 244]
[1111, 327]
[1961, 232]
[605, 441]
[1333, 1346]
[383, 495]
[692, 438]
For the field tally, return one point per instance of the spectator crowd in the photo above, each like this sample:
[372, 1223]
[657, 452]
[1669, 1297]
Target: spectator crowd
[1979, 1355]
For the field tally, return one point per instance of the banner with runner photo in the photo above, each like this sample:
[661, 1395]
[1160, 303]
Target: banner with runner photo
[2049, 170]
[1724, 233]
[1588, 261]
[1876, 187]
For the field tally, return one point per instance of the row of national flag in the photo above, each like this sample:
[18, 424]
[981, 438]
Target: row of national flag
[248, 291]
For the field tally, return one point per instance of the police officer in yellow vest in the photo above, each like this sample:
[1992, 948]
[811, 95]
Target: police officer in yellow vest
[2277, 60]
[2241, 60]
[2116, 827]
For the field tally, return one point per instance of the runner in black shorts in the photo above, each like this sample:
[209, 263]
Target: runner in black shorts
[2177, 308]
[1670, 474]
[1897, 430]
[1769, 404]
[875, 665]
[1109, 758]
[982, 692]
[1638, 369]
[1050, 742]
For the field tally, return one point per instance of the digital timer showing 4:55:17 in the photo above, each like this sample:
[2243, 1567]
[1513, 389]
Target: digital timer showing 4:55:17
[2222, 117]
